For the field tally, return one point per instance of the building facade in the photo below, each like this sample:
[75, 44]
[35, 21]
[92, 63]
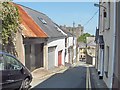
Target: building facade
[116, 73]
[91, 48]
[40, 42]
[107, 42]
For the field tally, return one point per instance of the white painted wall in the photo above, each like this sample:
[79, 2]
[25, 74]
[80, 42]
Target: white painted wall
[69, 44]
[70, 41]
[60, 45]
[101, 25]
[108, 36]
[74, 49]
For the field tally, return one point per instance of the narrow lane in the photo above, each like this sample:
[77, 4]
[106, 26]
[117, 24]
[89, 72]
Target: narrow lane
[72, 78]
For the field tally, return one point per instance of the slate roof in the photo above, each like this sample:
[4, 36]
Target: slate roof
[82, 45]
[29, 27]
[68, 33]
[92, 44]
[91, 41]
[49, 28]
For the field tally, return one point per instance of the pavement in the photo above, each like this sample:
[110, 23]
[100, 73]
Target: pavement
[96, 83]
[40, 75]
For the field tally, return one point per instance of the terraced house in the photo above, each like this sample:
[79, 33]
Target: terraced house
[40, 42]
[107, 38]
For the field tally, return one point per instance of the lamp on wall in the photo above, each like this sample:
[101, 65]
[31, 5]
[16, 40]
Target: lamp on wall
[98, 5]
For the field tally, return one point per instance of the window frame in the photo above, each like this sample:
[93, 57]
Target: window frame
[2, 69]
[6, 57]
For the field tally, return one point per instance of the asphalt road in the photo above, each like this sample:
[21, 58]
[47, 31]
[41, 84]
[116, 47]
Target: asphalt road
[74, 77]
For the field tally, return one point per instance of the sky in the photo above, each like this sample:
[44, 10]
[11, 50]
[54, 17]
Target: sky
[65, 13]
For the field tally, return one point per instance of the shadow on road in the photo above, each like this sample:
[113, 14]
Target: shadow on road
[74, 77]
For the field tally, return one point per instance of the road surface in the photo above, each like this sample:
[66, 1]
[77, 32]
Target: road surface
[74, 77]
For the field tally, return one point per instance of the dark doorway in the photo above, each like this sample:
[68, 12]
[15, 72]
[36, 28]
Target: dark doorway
[38, 55]
[27, 56]
[34, 56]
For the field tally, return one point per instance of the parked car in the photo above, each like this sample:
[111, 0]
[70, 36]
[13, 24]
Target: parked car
[13, 74]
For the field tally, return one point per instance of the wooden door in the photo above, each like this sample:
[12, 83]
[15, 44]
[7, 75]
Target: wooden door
[59, 58]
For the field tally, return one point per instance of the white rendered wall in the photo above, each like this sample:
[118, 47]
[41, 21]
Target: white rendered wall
[60, 45]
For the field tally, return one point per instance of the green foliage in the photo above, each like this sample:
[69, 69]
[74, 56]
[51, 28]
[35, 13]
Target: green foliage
[10, 22]
[82, 38]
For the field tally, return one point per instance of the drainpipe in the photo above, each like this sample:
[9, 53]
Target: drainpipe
[101, 62]
[114, 37]
[99, 53]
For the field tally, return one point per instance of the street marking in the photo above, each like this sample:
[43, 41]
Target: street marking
[88, 81]
[87, 77]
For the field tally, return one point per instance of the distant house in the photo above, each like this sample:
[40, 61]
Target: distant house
[91, 48]
[82, 48]
[71, 54]
[42, 41]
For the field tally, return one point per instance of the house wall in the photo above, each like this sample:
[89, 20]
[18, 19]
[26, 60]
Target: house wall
[74, 49]
[100, 26]
[20, 47]
[78, 54]
[60, 45]
[70, 41]
[108, 32]
[116, 78]
[109, 36]
[45, 55]
[96, 56]
[82, 53]
[69, 44]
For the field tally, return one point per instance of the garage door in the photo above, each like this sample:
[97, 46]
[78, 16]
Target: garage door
[51, 57]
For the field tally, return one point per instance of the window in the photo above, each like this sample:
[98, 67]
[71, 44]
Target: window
[105, 14]
[107, 62]
[42, 20]
[1, 63]
[11, 63]
[65, 42]
[107, 25]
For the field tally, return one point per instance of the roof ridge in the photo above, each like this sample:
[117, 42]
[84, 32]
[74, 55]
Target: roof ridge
[35, 10]
[32, 9]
